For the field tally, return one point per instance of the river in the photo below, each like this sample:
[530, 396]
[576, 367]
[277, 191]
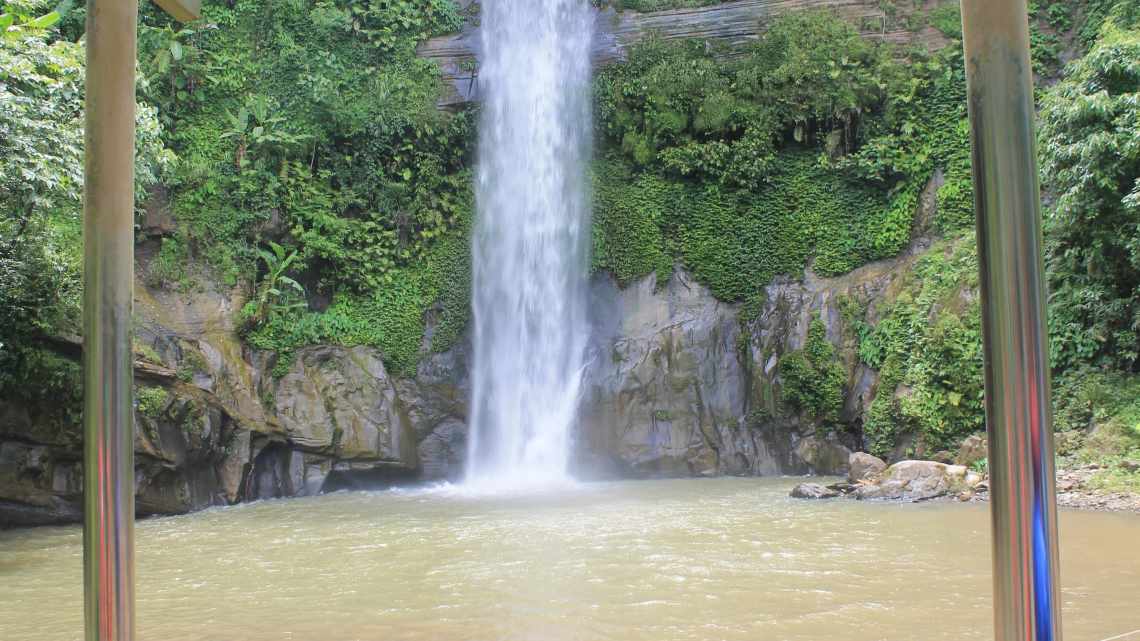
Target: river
[715, 559]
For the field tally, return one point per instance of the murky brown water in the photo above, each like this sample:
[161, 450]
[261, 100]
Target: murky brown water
[730, 559]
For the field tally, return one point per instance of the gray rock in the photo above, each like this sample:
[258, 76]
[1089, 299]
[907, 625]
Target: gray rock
[341, 402]
[813, 491]
[824, 455]
[973, 449]
[666, 390]
[864, 466]
[443, 453]
[919, 481]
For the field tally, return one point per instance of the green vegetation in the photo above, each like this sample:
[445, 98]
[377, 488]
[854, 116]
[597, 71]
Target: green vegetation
[646, 6]
[41, 181]
[811, 148]
[1098, 417]
[927, 347]
[814, 378]
[1091, 154]
[315, 163]
[151, 401]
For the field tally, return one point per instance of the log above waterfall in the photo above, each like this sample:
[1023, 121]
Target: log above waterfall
[734, 24]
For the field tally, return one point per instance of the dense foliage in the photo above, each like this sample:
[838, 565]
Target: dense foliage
[314, 126]
[812, 146]
[927, 346]
[1091, 152]
[813, 377]
[41, 183]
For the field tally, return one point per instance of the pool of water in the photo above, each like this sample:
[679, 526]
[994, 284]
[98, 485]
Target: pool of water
[717, 559]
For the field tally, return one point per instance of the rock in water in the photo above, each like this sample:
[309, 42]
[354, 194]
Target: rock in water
[813, 491]
[864, 466]
[919, 481]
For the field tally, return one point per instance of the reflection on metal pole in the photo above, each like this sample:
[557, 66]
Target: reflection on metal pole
[108, 231]
[1018, 410]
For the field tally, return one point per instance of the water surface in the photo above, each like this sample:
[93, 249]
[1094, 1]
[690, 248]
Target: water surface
[720, 559]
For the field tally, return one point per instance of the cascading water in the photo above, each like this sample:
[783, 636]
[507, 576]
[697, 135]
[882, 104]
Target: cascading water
[531, 240]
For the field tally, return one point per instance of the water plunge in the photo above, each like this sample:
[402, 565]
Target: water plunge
[530, 244]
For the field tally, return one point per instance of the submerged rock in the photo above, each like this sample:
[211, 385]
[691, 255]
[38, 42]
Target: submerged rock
[813, 491]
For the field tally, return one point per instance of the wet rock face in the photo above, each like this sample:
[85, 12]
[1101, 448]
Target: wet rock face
[666, 389]
[676, 385]
[341, 402]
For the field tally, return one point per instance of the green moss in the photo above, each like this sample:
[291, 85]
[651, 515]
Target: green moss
[813, 378]
[947, 18]
[146, 352]
[646, 6]
[151, 401]
[390, 318]
[927, 347]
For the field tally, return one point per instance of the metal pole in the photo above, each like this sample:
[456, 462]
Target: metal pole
[1018, 411]
[108, 263]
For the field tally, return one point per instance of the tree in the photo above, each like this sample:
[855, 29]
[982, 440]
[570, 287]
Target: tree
[1091, 160]
[41, 185]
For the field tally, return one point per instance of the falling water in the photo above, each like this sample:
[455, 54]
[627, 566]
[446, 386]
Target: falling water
[530, 241]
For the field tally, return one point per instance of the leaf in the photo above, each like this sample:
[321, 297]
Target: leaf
[45, 21]
[176, 50]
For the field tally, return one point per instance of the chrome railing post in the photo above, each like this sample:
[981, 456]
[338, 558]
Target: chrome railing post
[999, 80]
[108, 263]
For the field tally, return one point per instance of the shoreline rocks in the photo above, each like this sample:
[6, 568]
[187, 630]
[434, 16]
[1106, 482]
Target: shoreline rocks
[914, 481]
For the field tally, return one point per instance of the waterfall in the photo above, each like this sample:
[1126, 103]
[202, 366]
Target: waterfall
[531, 239]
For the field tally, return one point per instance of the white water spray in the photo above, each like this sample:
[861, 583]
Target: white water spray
[530, 244]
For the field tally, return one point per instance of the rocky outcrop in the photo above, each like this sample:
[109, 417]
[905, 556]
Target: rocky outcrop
[813, 491]
[972, 450]
[667, 390]
[919, 481]
[864, 467]
[677, 384]
[728, 24]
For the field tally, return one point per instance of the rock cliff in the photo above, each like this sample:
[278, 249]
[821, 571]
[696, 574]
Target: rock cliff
[678, 384]
[729, 24]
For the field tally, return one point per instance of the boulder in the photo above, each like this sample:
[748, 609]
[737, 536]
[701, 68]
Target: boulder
[919, 481]
[973, 449]
[443, 453]
[824, 455]
[813, 491]
[341, 402]
[863, 466]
